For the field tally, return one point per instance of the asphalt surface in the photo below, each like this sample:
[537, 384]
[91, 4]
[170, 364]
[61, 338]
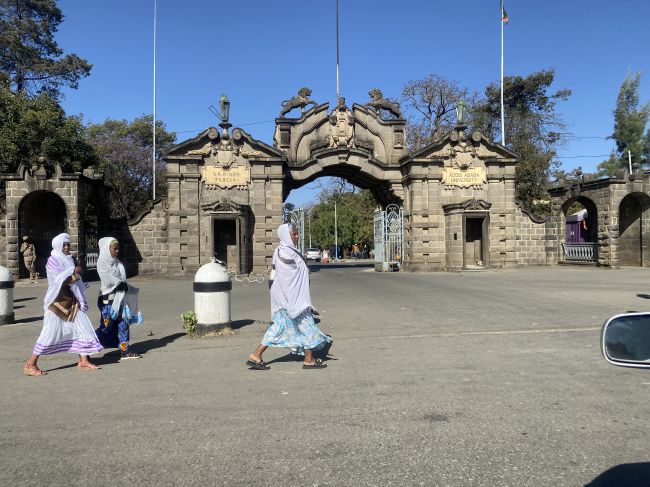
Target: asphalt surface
[489, 378]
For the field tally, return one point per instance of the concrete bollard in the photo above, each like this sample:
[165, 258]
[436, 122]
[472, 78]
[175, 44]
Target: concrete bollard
[212, 286]
[6, 296]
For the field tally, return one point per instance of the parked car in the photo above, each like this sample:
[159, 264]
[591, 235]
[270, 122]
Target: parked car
[625, 340]
[312, 254]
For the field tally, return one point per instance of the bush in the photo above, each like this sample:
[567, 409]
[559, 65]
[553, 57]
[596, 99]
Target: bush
[189, 322]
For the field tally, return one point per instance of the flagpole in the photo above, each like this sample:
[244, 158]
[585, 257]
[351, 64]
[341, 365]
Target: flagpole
[503, 127]
[155, 2]
[338, 91]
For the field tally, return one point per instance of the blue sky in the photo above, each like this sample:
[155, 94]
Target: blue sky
[260, 52]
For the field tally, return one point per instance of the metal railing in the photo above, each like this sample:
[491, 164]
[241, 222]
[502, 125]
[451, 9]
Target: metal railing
[579, 252]
[91, 258]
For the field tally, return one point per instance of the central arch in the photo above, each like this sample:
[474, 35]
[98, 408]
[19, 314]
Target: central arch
[353, 165]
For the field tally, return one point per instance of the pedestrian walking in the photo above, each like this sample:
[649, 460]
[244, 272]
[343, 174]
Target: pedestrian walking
[28, 252]
[117, 302]
[293, 323]
[66, 327]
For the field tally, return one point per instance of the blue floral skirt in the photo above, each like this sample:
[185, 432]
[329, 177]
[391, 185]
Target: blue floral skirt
[297, 333]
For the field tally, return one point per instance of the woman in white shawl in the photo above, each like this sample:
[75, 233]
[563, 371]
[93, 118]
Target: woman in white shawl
[292, 312]
[66, 327]
[117, 302]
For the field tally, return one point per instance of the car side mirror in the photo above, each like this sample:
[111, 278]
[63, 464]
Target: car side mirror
[625, 340]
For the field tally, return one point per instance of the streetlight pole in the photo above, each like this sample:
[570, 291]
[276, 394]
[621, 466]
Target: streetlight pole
[336, 236]
[309, 221]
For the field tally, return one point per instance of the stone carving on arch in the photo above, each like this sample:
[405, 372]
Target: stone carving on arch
[224, 206]
[471, 205]
[341, 128]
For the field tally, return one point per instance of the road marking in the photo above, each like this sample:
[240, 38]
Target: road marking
[484, 333]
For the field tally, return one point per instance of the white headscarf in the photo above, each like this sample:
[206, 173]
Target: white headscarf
[111, 273]
[59, 267]
[290, 289]
[110, 269]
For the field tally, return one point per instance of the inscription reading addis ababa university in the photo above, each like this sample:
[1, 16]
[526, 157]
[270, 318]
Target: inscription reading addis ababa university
[457, 177]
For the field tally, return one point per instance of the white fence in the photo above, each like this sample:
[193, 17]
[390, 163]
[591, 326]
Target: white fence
[579, 252]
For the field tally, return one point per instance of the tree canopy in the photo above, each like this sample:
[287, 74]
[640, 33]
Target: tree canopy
[534, 130]
[31, 128]
[354, 212]
[124, 156]
[630, 121]
[30, 59]
[429, 106]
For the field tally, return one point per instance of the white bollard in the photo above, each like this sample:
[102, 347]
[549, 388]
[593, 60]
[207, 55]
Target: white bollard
[212, 286]
[6, 296]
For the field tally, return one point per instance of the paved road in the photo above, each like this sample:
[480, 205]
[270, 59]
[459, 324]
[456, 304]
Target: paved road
[475, 378]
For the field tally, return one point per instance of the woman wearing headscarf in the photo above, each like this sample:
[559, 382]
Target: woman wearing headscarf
[117, 302]
[292, 312]
[66, 327]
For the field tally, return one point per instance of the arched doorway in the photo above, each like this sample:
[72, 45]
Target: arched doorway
[634, 218]
[42, 216]
[579, 231]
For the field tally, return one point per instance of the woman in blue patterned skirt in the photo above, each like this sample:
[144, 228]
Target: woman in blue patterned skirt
[292, 312]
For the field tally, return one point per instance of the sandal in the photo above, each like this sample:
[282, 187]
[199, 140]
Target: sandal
[33, 371]
[261, 365]
[130, 355]
[318, 364]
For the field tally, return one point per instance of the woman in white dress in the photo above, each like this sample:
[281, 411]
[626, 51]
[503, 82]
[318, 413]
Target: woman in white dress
[293, 324]
[118, 301]
[66, 327]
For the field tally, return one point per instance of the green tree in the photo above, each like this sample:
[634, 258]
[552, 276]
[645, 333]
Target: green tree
[31, 128]
[30, 59]
[534, 130]
[354, 211]
[630, 121]
[124, 151]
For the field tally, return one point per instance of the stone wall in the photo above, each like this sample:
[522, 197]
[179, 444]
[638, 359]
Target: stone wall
[143, 240]
[531, 239]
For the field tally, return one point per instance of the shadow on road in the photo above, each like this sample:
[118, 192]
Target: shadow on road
[643, 296]
[626, 475]
[29, 320]
[20, 300]
[113, 356]
[237, 324]
[148, 345]
[354, 265]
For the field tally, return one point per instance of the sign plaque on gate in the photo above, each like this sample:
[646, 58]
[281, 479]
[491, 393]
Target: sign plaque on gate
[453, 176]
[226, 178]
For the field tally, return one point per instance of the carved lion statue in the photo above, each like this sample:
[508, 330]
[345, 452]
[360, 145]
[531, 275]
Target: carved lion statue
[379, 103]
[302, 100]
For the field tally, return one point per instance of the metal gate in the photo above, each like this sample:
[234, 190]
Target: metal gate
[297, 218]
[389, 238]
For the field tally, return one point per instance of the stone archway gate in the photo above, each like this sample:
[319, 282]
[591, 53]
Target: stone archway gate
[457, 195]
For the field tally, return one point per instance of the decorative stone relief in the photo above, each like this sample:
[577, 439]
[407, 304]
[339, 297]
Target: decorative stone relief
[341, 126]
[463, 169]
